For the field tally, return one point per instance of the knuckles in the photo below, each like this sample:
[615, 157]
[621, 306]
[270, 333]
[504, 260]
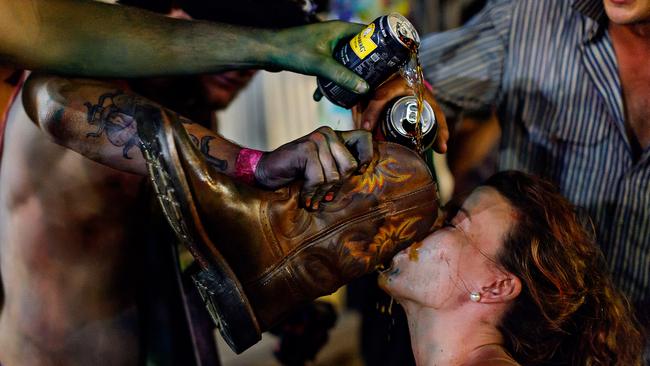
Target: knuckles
[319, 136]
[325, 130]
[334, 177]
[348, 169]
[308, 148]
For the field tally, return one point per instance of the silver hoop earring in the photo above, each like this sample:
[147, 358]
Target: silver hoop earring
[475, 297]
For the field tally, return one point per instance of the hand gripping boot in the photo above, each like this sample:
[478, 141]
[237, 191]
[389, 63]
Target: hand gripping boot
[261, 255]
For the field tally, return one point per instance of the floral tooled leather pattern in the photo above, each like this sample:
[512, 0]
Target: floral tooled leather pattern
[378, 173]
[396, 231]
[365, 256]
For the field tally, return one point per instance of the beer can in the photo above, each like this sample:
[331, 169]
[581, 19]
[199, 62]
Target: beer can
[375, 54]
[399, 122]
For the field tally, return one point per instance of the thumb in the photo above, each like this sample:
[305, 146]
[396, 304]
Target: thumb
[317, 95]
[343, 76]
[359, 142]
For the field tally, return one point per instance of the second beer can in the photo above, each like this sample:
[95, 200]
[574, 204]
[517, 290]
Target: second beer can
[399, 123]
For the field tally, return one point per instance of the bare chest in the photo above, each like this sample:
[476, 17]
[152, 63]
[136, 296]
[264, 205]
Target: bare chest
[634, 72]
[49, 190]
[636, 96]
[66, 248]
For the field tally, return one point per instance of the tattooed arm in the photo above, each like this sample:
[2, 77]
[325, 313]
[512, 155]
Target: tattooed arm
[100, 121]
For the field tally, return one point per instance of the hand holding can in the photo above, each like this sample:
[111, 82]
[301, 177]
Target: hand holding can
[375, 54]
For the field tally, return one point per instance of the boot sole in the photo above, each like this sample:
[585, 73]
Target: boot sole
[218, 285]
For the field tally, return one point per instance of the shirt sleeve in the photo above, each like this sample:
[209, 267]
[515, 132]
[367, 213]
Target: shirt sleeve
[465, 65]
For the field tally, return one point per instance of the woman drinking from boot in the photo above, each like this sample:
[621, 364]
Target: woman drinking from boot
[513, 278]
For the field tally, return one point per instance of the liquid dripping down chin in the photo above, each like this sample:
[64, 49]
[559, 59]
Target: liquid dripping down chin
[414, 255]
[385, 277]
[385, 309]
[387, 272]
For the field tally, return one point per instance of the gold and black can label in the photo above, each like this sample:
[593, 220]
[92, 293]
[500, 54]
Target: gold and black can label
[375, 54]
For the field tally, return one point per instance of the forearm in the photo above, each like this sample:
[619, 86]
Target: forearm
[100, 121]
[96, 39]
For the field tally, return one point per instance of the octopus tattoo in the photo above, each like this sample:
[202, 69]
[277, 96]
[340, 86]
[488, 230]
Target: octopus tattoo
[116, 115]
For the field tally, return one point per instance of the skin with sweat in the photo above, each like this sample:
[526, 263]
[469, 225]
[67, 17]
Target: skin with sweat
[434, 286]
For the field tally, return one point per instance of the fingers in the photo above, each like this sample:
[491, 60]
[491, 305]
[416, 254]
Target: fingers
[317, 95]
[335, 157]
[359, 143]
[388, 91]
[342, 76]
[313, 175]
[331, 69]
[338, 73]
[357, 113]
[370, 116]
[345, 161]
[327, 152]
[324, 159]
[356, 116]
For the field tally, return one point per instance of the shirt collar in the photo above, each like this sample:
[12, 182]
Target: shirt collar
[592, 8]
[595, 13]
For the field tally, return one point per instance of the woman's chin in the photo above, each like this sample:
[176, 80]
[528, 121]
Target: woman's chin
[384, 283]
[385, 278]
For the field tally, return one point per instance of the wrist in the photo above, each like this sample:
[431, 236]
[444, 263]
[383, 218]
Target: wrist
[246, 164]
[251, 51]
[268, 53]
[257, 47]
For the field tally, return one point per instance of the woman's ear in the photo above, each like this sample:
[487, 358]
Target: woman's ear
[505, 288]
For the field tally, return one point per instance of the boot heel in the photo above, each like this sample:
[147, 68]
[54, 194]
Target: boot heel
[229, 309]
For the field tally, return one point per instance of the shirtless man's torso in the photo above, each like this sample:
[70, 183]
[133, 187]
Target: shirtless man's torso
[66, 257]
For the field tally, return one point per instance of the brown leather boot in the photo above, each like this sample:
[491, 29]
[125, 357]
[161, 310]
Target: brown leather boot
[261, 254]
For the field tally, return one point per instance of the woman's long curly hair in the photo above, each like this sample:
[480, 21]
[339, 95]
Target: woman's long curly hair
[568, 311]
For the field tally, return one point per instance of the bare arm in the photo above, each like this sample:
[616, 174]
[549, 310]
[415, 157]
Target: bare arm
[100, 121]
[88, 38]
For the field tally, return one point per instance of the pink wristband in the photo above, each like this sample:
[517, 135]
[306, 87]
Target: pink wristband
[246, 164]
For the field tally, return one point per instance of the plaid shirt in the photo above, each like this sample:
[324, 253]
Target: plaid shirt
[549, 68]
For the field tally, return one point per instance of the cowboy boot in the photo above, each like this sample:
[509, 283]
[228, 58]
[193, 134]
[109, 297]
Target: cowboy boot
[261, 254]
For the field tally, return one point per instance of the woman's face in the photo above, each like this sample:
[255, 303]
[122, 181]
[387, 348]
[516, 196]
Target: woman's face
[455, 260]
